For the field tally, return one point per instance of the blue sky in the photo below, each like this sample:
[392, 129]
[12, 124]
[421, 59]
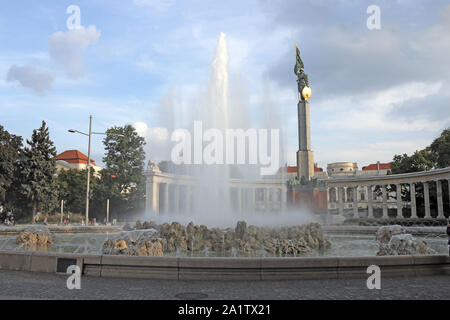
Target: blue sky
[376, 93]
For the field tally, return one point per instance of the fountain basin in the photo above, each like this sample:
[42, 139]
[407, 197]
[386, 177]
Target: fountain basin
[195, 268]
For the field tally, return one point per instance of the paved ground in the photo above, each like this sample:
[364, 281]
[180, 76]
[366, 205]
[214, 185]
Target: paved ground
[25, 285]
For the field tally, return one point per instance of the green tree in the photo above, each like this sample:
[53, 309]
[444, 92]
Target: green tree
[10, 146]
[10, 152]
[71, 185]
[441, 149]
[422, 160]
[122, 179]
[38, 183]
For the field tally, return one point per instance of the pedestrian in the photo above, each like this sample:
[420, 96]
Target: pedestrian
[45, 221]
[448, 233]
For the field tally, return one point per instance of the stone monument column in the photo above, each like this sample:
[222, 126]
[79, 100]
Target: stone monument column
[305, 157]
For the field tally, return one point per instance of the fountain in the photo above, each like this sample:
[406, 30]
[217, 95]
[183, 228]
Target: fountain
[291, 235]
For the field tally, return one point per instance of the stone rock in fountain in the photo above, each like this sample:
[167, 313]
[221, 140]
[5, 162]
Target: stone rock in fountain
[385, 233]
[36, 236]
[244, 240]
[393, 240]
[135, 243]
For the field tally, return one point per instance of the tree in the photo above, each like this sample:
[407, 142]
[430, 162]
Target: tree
[441, 149]
[422, 160]
[71, 185]
[10, 146]
[122, 179]
[38, 171]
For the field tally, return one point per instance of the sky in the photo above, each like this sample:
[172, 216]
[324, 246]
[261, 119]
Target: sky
[375, 93]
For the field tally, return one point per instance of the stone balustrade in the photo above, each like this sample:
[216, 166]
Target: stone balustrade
[343, 192]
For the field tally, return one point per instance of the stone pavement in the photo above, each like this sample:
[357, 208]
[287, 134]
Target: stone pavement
[26, 285]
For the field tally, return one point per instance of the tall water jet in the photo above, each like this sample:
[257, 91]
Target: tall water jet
[211, 193]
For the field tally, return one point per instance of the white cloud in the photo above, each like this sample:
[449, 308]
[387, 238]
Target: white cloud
[30, 77]
[67, 48]
[158, 145]
[370, 111]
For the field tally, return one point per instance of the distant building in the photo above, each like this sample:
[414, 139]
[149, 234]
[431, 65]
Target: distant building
[377, 169]
[74, 159]
[338, 169]
[291, 171]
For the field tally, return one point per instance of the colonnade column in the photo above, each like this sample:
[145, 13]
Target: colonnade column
[188, 199]
[283, 199]
[439, 199]
[448, 181]
[239, 199]
[176, 198]
[267, 196]
[426, 195]
[385, 208]
[399, 201]
[412, 191]
[166, 198]
[253, 199]
[370, 201]
[355, 202]
[340, 200]
[152, 201]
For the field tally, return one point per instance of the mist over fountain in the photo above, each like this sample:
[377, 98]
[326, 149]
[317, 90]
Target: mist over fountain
[222, 104]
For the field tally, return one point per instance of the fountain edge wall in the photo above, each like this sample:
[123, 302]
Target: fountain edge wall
[192, 268]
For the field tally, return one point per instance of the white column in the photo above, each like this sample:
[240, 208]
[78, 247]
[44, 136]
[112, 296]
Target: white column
[439, 200]
[187, 199]
[385, 208]
[166, 198]
[152, 196]
[176, 198]
[239, 199]
[254, 199]
[399, 201]
[412, 191]
[340, 200]
[355, 202]
[370, 201]
[283, 199]
[267, 195]
[426, 195]
[448, 182]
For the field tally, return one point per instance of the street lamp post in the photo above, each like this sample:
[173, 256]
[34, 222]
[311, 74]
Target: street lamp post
[88, 169]
[88, 163]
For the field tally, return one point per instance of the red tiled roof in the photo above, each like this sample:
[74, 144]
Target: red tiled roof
[74, 156]
[373, 166]
[293, 169]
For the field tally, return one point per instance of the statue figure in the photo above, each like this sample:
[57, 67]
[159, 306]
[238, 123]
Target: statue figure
[302, 78]
[152, 167]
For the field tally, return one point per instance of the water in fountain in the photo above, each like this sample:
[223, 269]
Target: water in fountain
[223, 104]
